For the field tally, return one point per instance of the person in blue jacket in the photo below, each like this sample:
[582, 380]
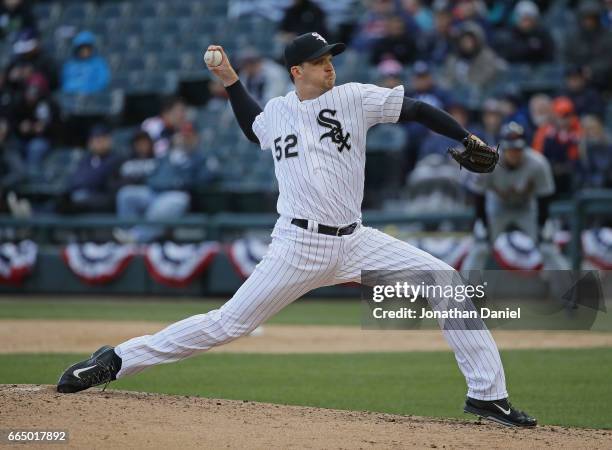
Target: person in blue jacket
[86, 72]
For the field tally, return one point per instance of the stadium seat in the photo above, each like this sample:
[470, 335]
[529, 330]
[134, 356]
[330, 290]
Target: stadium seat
[131, 62]
[609, 116]
[120, 81]
[114, 11]
[148, 82]
[121, 139]
[101, 104]
[78, 12]
[168, 61]
[387, 138]
[167, 28]
[180, 10]
[156, 42]
[58, 166]
[100, 28]
[144, 10]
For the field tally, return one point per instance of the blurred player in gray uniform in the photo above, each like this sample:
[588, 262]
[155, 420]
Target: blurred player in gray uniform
[515, 196]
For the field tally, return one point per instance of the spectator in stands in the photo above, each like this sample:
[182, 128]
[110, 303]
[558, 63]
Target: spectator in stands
[262, 77]
[8, 97]
[514, 108]
[167, 194]
[540, 112]
[29, 57]
[607, 14]
[591, 46]
[528, 41]
[501, 13]
[595, 154]
[435, 45]
[389, 73]
[90, 186]
[396, 43]
[137, 168]
[15, 15]
[436, 143]
[423, 87]
[35, 121]
[372, 26]
[303, 16]
[558, 141]
[86, 72]
[585, 98]
[470, 11]
[12, 170]
[422, 16]
[472, 62]
[161, 128]
[492, 120]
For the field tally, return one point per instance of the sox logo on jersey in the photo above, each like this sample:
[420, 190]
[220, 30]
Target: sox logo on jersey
[336, 133]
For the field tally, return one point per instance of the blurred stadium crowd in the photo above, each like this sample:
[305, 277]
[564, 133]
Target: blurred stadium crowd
[106, 106]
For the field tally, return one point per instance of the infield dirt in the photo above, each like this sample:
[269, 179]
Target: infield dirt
[114, 419]
[71, 336]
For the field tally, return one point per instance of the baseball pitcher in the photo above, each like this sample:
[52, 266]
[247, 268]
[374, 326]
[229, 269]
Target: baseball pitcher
[316, 135]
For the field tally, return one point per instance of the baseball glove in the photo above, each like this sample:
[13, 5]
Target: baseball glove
[477, 157]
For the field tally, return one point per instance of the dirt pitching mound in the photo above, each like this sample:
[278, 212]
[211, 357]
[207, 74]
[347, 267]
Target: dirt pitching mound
[115, 419]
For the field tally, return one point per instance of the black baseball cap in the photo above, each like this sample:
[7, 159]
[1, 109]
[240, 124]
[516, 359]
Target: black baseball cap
[512, 136]
[309, 46]
[99, 129]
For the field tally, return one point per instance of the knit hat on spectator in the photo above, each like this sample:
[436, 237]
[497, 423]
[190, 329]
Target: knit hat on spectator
[26, 41]
[563, 107]
[526, 8]
[99, 130]
[249, 55]
[492, 105]
[421, 68]
[389, 67]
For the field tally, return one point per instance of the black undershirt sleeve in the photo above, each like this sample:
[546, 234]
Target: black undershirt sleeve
[543, 203]
[479, 203]
[245, 109]
[433, 118]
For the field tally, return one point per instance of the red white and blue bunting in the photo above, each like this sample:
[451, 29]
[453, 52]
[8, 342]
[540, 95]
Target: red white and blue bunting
[177, 265]
[451, 250]
[517, 251]
[597, 247]
[98, 263]
[245, 254]
[17, 260]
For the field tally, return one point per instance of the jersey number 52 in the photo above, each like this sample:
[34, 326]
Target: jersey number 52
[290, 142]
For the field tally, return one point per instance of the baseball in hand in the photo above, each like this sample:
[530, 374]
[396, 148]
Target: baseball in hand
[213, 58]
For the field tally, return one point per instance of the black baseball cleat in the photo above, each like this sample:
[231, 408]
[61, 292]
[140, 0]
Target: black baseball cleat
[100, 368]
[500, 411]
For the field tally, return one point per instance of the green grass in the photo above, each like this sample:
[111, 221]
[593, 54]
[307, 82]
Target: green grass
[302, 312]
[563, 387]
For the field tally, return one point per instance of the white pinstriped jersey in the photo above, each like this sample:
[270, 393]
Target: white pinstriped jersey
[318, 147]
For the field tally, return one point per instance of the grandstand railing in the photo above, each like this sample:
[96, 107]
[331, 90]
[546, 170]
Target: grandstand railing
[585, 204]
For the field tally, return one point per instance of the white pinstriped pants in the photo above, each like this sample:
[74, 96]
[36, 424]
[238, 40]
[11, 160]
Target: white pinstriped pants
[298, 261]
